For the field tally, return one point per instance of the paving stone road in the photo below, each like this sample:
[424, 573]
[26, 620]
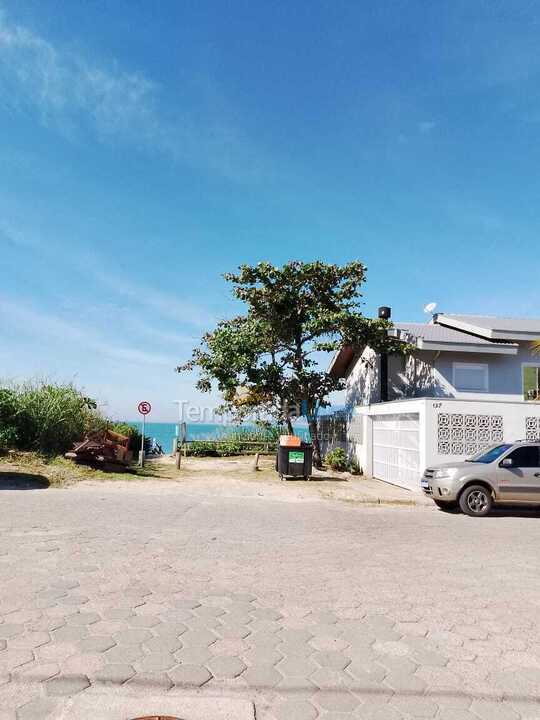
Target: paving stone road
[310, 608]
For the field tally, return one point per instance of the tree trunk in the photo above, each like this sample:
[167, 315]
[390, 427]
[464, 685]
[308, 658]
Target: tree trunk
[314, 432]
[290, 428]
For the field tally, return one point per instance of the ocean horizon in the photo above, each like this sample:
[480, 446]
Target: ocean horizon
[164, 433]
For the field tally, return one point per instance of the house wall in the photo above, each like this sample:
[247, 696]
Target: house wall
[363, 384]
[505, 379]
[429, 373]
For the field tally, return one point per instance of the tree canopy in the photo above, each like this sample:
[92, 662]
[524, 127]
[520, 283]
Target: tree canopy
[265, 360]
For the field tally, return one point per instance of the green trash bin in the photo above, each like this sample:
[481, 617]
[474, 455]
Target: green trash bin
[295, 461]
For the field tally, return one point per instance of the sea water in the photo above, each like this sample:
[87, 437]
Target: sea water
[164, 433]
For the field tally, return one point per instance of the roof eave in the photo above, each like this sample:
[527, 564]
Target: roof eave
[487, 333]
[467, 347]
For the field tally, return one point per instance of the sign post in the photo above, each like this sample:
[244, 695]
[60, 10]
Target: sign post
[144, 409]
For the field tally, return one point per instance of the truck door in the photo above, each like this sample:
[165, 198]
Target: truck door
[521, 481]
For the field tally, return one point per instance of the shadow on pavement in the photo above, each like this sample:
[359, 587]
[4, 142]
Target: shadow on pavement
[22, 481]
[524, 511]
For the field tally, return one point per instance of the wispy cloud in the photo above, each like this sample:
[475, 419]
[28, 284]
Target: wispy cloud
[426, 126]
[164, 305]
[72, 94]
[52, 328]
[167, 305]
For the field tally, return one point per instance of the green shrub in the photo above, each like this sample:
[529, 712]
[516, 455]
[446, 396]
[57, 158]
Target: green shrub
[337, 459]
[354, 467]
[203, 448]
[8, 426]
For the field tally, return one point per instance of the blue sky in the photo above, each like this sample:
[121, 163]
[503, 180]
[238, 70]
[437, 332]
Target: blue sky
[146, 148]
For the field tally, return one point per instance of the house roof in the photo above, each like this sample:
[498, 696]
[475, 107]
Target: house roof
[432, 336]
[492, 328]
[453, 333]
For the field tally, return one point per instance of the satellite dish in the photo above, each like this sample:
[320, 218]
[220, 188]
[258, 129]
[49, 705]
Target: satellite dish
[430, 308]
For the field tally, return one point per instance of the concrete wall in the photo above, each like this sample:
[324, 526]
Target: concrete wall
[447, 425]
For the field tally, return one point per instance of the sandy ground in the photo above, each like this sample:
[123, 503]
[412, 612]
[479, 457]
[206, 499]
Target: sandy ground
[234, 476]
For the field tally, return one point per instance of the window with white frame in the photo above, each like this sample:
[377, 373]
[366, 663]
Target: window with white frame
[531, 382]
[470, 377]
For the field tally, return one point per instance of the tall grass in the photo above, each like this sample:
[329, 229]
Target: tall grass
[45, 417]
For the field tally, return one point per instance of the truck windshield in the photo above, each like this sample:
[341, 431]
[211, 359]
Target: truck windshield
[491, 454]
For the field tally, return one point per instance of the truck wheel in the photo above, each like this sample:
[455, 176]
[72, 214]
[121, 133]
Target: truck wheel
[446, 506]
[476, 501]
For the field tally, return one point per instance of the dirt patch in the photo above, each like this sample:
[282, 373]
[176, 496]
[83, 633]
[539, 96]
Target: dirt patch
[232, 477]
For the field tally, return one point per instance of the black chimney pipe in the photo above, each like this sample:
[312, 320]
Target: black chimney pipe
[384, 314]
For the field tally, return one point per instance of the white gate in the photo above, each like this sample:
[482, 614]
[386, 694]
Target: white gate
[396, 449]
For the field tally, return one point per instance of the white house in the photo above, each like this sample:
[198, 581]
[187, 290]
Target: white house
[469, 382]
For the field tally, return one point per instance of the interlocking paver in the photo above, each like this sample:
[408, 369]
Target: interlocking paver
[83, 618]
[224, 666]
[263, 656]
[38, 709]
[296, 666]
[423, 641]
[340, 700]
[189, 676]
[404, 682]
[66, 685]
[331, 659]
[157, 662]
[163, 644]
[38, 672]
[10, 659]
[169, 629]
[295, 710]
[198, 638]
[328, 643]
[83, 664]
[417, 707]
[123, 654]
[132, 637]
[115, 673]
[193, 655]
[68, 634]
[297, 688]
[117, 613]
[9, 630]
[96, 644]
[327, 678]
[489, 710]
[233, 632]
[262, 676]
[143, 621]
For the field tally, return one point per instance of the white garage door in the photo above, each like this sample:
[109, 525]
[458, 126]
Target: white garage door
[396, 455]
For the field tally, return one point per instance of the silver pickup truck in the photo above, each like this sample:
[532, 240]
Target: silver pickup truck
[503, 473]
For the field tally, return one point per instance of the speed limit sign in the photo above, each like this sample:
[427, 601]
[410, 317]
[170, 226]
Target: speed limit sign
[144, 407]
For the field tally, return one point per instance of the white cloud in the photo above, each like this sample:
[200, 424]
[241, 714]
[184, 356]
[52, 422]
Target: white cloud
[73, 95]
[54, 329]
[165, 304]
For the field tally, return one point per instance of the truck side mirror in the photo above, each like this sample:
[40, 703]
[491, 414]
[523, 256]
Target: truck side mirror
[507, 463]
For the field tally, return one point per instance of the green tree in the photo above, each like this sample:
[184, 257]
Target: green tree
[263, 361]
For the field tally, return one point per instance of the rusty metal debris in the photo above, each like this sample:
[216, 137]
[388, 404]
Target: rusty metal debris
[104, 447]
